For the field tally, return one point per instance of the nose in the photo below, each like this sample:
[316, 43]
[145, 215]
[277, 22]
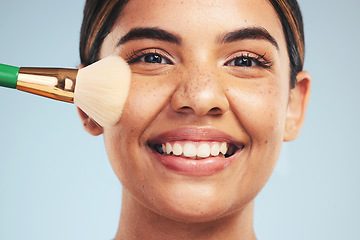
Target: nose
[201, 93]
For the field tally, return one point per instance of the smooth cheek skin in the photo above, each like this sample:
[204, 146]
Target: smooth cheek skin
[254, 110]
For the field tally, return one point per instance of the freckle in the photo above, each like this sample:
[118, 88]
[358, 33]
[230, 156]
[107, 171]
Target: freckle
[266, 142]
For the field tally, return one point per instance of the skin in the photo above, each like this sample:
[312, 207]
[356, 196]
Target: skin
[198, 87]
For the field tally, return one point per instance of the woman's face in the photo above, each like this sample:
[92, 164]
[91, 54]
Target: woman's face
[205, 119]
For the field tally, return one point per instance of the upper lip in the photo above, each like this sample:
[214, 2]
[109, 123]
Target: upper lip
[195, 134]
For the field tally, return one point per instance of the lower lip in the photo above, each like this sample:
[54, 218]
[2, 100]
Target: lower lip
[186, 166]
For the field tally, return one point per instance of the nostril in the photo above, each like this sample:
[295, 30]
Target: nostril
[189, 110]
[215, 111]
[207, 101]
[186, 109]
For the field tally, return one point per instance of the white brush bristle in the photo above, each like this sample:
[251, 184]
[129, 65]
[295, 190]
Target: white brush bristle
[102, 89]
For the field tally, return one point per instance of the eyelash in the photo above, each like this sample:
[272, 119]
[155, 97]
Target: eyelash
[135, 56]
[259, 60]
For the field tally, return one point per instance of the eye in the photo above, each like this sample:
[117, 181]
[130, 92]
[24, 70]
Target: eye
[155, 58]
[242, 62]
[147, 57]
[249, 61]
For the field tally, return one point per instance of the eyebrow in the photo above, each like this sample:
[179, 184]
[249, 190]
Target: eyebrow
[156, 33]
[150, 33]
[249, 33]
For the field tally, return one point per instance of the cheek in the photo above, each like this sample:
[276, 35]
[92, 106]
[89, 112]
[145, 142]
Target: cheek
[261, 110]
[146, 100]
[123, 141]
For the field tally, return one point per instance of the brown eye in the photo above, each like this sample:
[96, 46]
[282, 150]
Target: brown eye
[149, 56]
[243, 62]
[249, 61]
[154, 58]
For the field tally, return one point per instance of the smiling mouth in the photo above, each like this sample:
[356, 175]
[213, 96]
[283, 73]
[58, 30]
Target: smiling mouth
[196, 150]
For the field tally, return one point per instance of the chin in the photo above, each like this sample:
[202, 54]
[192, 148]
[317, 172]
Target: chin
[206, 212]
[194, 203]
[195, 213]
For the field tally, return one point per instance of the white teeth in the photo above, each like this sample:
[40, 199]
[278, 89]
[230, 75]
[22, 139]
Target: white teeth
[168, 148]
[193, 150]
[223, 148]
[215, 149]
[177, 149]
[189, 150]
[203, 150]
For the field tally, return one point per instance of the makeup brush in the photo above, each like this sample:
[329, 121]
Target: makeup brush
[100, 89]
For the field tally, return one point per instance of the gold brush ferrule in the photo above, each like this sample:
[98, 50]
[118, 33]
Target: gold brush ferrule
[55, 83]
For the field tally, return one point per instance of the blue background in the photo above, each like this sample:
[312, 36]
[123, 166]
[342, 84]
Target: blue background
[55, 179]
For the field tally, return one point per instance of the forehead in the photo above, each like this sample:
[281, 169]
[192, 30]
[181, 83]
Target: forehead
[201, 12]
[195, 19]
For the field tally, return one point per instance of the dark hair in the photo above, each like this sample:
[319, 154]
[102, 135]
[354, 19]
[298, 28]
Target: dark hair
[291, 20]
[100, 16]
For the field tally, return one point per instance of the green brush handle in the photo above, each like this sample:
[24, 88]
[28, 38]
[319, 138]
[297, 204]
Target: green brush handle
[8, 76]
